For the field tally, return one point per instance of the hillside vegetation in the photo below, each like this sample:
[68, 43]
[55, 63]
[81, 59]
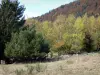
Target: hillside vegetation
[32, 40]
[78, 8]
[65, 41]
[71, 35]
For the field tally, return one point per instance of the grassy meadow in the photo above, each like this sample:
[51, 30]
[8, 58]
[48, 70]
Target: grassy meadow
[85, 64]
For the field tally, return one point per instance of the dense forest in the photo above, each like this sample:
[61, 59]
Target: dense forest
[78, 8]
[74, 30]
[71, 35]
[19, 42]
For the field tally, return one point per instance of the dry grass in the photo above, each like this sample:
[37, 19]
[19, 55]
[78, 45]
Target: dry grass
[87, 64]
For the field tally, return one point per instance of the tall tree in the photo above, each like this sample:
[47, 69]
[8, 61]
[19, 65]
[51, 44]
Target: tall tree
[11, 18]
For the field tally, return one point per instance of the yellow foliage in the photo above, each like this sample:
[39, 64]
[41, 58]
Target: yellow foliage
[59, 44]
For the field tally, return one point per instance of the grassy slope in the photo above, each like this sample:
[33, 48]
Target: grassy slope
[87, 64]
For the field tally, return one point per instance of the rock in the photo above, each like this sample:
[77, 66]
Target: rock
[63, 57]
[2, 61]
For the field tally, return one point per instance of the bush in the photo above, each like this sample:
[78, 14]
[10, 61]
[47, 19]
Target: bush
[72, 44]
[88, 43]
[27, 44]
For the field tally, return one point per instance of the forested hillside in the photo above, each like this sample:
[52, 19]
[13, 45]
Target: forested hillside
[78, 8]
[71, 28]
[69, 35]
[66, 39]
[74, 32]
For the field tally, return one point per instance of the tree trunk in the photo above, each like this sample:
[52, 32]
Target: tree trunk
[2, 61]
[2, 46]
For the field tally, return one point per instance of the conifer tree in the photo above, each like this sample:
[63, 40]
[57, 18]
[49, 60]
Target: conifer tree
[11, 18]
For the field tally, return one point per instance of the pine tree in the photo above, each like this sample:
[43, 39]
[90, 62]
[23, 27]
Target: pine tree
[11, 18]
[27, 44]
[88, 43]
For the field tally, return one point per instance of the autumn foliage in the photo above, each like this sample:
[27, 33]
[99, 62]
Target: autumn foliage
[78, 8]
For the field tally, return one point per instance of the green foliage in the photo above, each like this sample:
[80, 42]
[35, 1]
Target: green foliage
[66, 35]
[96, 33]
[11, 18]
[88, 43]
[27, 44]
[71, 34]
[73, 43]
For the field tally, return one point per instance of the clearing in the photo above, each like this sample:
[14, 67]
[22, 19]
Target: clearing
[85, 64]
